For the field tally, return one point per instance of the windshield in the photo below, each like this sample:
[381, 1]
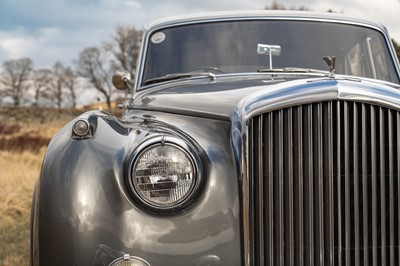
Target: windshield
[251, 46]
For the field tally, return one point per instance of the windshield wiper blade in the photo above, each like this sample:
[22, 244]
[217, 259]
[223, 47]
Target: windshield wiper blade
[175, 76]
[292, 70]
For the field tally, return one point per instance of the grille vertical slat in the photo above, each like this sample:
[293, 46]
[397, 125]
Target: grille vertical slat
[289, 187]
[270, 189]
[391, 188]
[309, 221]
[365, 182]
[382, 185]
[280, 211]
[320, 186]
[398, 182]
[329, 158]
[356, 192]
[260, 193]
[299, 186]
[324, 185]
[339, 183]
[374, 184]
[347, 202]
[253, 219]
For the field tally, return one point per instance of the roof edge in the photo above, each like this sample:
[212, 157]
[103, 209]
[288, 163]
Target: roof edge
[260, 14]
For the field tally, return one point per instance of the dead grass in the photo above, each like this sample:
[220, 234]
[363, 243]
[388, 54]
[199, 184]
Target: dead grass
[24, 135]
[14, 242]
[19, 172]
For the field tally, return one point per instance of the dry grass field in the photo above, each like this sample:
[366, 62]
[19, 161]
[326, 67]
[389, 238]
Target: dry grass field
[24, 135]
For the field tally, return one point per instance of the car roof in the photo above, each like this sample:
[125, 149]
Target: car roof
[261, 14]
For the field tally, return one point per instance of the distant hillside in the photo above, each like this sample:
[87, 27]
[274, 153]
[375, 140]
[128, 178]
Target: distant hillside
[36, 114]
[30, 129]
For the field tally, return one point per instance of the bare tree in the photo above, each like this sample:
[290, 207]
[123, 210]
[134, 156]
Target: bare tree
[97, 64]
[93, 66]
[124, 48]
[57, 84]
[278, 6]
[70, 83]
[41, 80]
[275, 6]
[15, 78]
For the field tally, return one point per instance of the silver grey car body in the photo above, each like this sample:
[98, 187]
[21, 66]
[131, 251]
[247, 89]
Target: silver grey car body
[287, 129]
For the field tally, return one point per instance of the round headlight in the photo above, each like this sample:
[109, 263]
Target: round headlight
[165, 174]
[129, 261]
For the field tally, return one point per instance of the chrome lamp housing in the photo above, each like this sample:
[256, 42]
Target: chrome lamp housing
[164, 174]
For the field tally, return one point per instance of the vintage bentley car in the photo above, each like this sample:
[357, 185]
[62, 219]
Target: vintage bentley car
[251, 138]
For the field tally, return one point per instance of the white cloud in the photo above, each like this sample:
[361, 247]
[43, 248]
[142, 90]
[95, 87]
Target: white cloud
[51, 30]
[382, 11]
[12, 46]
[37, 46]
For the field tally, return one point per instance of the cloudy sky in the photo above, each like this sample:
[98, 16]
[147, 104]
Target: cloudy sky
[57, 30]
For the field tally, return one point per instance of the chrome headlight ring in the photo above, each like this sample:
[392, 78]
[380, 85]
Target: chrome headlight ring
[165, 174]
[127, 260]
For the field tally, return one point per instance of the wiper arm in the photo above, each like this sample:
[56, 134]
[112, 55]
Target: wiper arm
[292, 70]
[174, 76]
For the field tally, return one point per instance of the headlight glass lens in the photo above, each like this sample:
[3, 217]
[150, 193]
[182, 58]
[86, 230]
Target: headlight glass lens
[129, 261]
[164, 175]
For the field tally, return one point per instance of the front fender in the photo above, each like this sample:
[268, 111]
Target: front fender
[86, 215]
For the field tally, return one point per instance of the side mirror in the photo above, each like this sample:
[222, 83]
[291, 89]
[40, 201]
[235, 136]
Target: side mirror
[122, 80]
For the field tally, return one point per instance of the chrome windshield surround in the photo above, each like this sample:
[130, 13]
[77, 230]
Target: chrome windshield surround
[295, 94]
[253, 15]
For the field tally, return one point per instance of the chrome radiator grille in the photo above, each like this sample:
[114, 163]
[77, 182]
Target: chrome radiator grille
[324, 185]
